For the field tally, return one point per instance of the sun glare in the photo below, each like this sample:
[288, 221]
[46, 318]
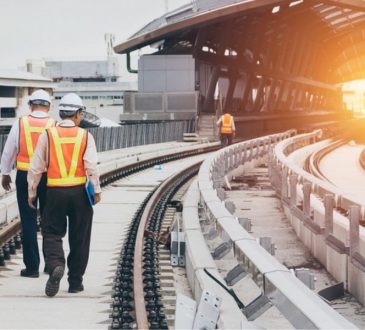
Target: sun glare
[354, 96]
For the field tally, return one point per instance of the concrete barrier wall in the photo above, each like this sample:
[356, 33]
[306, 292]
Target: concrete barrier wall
[230, 315]
[302, 307]
[334, 238]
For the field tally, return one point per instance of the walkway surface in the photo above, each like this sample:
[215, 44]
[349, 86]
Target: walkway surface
[23, 304]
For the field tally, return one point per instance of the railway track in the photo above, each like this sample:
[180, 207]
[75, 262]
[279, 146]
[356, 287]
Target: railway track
[10, 240]
[137, 301]
[312, 162]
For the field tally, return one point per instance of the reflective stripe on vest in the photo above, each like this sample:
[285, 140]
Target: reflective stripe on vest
[226, 127]
[66, 148]
[30, 128]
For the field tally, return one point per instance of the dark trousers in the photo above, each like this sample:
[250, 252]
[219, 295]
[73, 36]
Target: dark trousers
[28, 218]
[226, 139]
[67, 203]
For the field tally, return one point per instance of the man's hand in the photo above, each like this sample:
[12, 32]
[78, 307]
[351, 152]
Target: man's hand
[31, 201]
[97, 198]
[5, 182]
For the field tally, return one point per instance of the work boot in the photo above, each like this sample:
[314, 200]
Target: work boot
[75, 288]
[53, 283]
[28, 273]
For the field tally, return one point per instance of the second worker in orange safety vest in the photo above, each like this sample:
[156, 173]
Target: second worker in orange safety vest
[227, 128]
[19, 149]
[69, 154]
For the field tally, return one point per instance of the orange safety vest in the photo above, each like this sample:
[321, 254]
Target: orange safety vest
[30, 128]
[226, 125]
[67, 146]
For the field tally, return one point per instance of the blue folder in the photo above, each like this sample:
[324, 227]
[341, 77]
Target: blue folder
[90, 192]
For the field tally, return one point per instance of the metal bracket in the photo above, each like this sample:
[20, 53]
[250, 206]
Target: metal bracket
[229, 205]
[332, 292]
[266, 243]
[177, 249]
[235, 274]
[208, 311]
[257, 307]
[185, 311]
[306, 276]
[177, 246]
[221, 250]
[211, 233]
[246, 224]
[221, 193]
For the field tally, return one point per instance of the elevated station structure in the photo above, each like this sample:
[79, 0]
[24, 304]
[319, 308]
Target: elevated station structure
[15, 87]
[259, 60]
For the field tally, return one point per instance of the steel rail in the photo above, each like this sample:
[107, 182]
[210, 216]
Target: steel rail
[138, 287]
[8, 231]
[312, 162]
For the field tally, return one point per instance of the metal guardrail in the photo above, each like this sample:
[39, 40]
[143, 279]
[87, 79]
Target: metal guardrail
[330, 216]
[231, 316]
[129, 135]
[295, 301]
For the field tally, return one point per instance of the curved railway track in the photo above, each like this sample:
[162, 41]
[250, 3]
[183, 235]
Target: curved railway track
[10, 239]
[312, 162]
[137, 301]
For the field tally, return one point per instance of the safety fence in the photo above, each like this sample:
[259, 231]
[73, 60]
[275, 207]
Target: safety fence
[129, 135]
[328, 220]
[279, 286]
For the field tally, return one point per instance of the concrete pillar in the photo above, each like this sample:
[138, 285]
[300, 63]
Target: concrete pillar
[279, 175]
[307, 190]
[293, 189]
[329, 203]
[284, 183]
[354, 228]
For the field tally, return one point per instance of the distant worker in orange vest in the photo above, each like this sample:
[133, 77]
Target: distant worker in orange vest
[19, 149]
[227, 129]
[69, 154]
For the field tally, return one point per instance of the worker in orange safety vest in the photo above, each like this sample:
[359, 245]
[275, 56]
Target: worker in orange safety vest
[69, 154]
[227, 128]
[19, 148]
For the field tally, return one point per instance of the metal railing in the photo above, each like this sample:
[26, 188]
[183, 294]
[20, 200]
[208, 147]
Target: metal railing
[301, 307]
[129, 135]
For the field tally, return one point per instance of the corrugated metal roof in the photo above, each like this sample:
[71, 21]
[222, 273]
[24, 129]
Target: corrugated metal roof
[279, 34]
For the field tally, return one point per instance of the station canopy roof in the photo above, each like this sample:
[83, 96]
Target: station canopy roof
[318, 40]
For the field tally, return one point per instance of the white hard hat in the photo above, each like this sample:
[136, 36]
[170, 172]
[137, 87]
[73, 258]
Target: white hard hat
[71, 102]
[40, 97]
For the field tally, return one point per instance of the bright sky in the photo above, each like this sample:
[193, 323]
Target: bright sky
[35, 29]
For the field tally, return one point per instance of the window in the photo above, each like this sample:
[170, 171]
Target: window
[7, 112]
[6, 91]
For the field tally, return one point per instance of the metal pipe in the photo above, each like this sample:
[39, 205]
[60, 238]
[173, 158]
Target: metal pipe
[129, 64]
